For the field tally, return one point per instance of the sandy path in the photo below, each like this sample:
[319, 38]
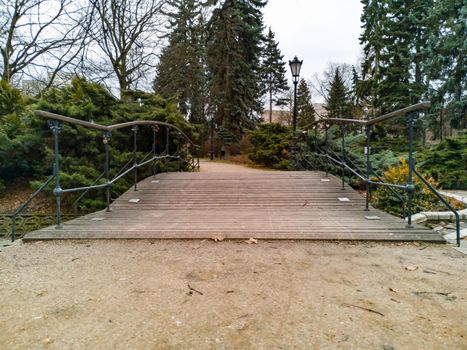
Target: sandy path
[270, 295]
[207, 166]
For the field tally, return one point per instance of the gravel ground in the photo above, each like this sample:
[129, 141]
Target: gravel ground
[232, 295]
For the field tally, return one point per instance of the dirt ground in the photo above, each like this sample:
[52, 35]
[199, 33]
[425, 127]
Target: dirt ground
[232, 295]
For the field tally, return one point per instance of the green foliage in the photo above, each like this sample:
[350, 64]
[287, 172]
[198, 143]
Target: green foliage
[337, 101]
[447, 162]
[234, 50]
[415, 50]
[273, 69]
[181, 69]
[271, 144]
[26, 141]
[305, 109]
[11, 101]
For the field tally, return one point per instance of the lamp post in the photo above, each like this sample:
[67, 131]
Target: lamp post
[295, 66]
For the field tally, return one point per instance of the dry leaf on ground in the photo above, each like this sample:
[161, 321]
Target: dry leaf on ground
[411, 268]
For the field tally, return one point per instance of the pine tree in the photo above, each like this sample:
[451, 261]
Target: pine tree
[337, 101]
[181, 71]
[234, 49]
[305, 109]
[273, 71]
[445, 61]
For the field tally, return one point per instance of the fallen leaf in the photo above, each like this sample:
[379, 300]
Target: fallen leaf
[218, 238]
[411, 268]
[251, 240]
[416, 244]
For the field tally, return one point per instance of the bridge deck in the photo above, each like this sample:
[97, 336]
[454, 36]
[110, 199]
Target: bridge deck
[264, 205]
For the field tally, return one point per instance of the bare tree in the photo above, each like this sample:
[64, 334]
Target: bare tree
[39, 37]
[127, 32]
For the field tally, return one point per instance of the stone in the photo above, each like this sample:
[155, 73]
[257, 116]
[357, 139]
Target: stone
[418, 218]
[452, 235]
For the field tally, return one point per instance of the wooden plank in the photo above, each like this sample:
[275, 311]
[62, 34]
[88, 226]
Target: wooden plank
[264, 205]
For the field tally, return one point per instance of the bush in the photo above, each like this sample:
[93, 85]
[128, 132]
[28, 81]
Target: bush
[447, 162]
[423, 199]
[270, 145]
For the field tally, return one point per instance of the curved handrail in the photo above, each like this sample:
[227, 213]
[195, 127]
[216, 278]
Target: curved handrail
[91, 125]
[380, 119]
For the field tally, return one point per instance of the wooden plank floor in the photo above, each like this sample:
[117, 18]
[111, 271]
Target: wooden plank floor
[239, 205]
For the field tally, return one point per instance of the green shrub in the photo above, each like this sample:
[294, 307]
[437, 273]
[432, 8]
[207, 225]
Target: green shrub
[271, 145]
[447, 162]
[423, 199]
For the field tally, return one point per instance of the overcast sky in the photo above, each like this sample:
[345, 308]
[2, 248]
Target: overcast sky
[317, 31]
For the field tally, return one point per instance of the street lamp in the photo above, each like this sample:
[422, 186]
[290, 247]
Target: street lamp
[295, 67]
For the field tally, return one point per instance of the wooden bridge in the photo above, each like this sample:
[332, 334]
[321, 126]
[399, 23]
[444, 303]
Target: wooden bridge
[239, 204]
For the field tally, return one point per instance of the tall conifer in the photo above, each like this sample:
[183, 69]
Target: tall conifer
[234, 49]
[305, 109]
[181, 71]
[273, 71]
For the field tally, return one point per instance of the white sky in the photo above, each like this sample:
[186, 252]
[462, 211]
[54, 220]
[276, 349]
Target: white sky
[316, 31]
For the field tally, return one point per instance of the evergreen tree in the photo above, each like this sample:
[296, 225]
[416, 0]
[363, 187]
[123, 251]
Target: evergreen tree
[273, 71]
[234, 49]
[445, 61]
[181, 71]
[305, 109]
[337, 101]
[395, 31]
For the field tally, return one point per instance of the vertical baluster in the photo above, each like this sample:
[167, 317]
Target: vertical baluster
[343, 157]
[154, 130]
[56, 128]
[167, 148]
[326, 147]
[106, 139]
[410, 188]
[192, 151]
[135, 160]
[368, 167]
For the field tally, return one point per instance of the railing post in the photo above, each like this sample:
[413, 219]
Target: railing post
[368, 167]
[193, 158]
[56, 128]
[343, 156]
[106, 138]
[326, 146]
[135, 160]
[410, 188]
[154, 130]
[13, 227]
[167, 148]
[179, 165]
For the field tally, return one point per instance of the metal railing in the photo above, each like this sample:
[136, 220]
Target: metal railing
[56, 121]
[327, 158]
